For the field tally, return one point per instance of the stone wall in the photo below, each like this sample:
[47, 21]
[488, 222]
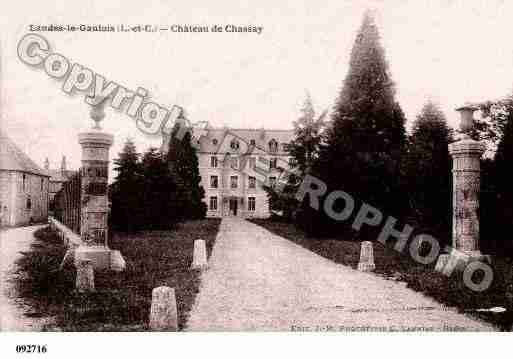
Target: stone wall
[20, 203]
[67, 203]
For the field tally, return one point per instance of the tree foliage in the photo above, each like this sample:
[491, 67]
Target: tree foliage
[304, 151]
[308, 138]
[428, 171]
[159, 191]
[125, 192]
[183, 163]
[367, 137]
[504, 175]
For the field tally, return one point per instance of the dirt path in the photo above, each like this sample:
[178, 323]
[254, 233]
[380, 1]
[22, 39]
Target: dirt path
[260, 281]
[12, 318]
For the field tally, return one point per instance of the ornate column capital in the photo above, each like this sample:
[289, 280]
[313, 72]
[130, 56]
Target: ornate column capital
[466, 147]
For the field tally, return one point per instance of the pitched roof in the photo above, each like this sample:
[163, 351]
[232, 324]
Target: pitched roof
[60, 175]
[215, 138]
[14, 159]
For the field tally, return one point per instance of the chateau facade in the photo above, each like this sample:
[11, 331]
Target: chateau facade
[234, 166]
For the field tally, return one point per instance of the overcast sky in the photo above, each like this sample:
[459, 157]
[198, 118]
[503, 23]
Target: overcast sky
[449, 51]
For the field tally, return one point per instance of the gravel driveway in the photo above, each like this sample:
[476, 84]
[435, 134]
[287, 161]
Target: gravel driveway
[259, 281]
[12, 318]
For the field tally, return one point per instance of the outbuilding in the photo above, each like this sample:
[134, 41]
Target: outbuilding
[23, 187]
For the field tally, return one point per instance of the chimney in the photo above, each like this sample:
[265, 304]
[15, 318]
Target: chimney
[47, 164]
[63, 164]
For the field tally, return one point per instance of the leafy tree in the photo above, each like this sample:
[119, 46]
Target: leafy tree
[125, 191]
[304, 150]
[428, 171]
[490, 126]
[183, 163]
[367, 138]
[308, 138]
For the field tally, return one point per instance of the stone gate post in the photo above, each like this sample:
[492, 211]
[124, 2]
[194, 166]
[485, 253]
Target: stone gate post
[94, 202]
[466, 154]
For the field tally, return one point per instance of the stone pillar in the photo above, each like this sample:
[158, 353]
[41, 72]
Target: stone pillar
[85, 276]
[94, 176]
[466, 154]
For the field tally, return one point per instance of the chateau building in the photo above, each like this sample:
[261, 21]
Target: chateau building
[57, 178]
[23, 187]
[234, 166]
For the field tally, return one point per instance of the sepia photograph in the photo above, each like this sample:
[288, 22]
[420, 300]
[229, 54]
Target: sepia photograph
[310, 170]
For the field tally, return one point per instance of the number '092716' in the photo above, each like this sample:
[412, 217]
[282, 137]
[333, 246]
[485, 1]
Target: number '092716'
[31, 348]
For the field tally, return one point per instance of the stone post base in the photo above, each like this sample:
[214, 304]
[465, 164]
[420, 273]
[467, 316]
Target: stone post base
[101, 257]
[478, 256]
[366, 267]
[98, 255]
[447, 263]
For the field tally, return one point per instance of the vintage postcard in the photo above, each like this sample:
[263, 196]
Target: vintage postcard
[273, 166]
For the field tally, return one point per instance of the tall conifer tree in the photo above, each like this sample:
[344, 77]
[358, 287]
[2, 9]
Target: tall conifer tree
[159, 189]
[183, 163]
[367, 137]
[428, 171]
[125, 191]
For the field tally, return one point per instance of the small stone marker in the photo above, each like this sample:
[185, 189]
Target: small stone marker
[85, 276]
[366, 263]
[163, 314]
[117, 262]
[199, 259]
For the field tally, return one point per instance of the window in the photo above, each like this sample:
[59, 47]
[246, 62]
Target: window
[251, 182]
[213, 203]
[213, 182]
[42, 183]
[24, 181]
[292, 162]
[29, 202]
[251, 203]
[252, 162]
[233, 181]
[234, 145]
[272, 181]
[214, 142]
[252, 142]
[273, 146]
[213, 162]
[273, 163]
[233, 162]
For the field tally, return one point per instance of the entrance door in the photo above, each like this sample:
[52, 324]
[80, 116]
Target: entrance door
[233, 207]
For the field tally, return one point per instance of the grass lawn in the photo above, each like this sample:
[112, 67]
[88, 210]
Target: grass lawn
[392, 265]
[122, 300]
